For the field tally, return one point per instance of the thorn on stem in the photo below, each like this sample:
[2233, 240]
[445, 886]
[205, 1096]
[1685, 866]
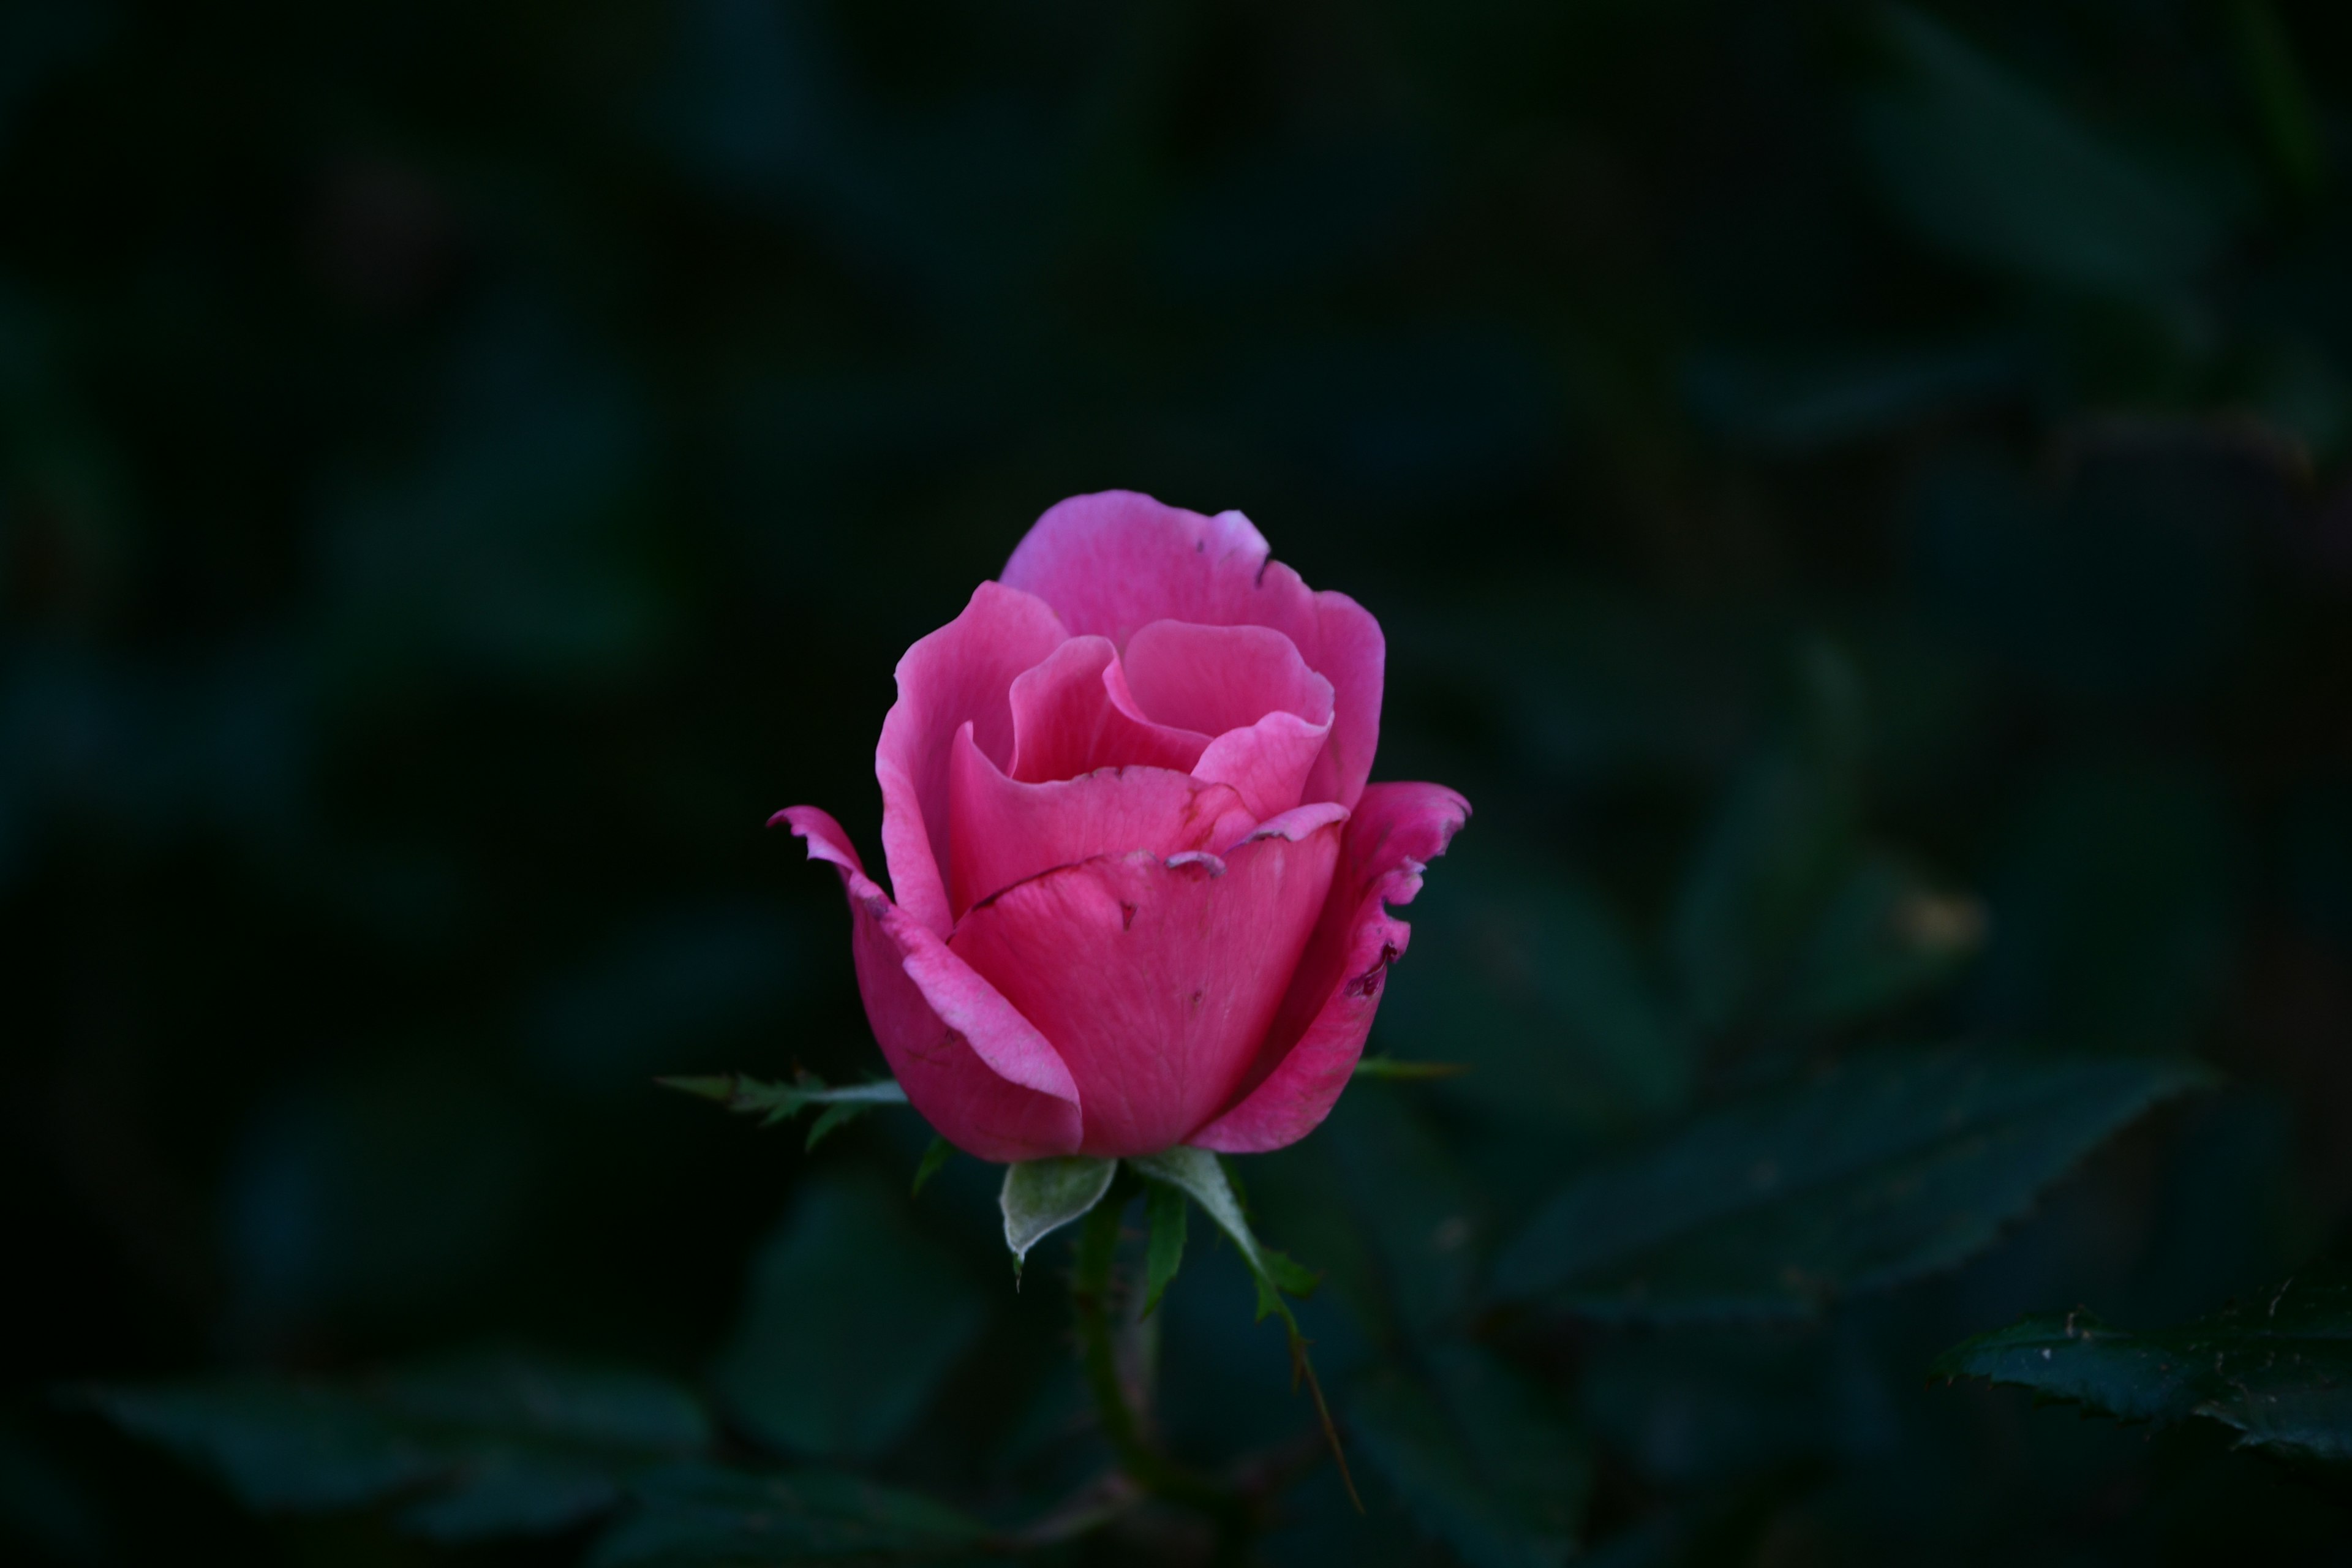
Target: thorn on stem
[1302, 1367]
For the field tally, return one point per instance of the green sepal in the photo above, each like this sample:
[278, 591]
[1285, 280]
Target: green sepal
[1200, 1177]
[1163, 1209]
[1040, 1196]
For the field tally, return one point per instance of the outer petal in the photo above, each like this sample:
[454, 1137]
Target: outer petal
[978, 1072]
[1156, 980]
[1006, 831]
[1065, 721]
[1319, 1032]
[961, 674]
[1113, 563]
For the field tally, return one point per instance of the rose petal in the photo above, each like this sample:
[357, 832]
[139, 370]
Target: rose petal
[1114, 563]
[1210, 680]
[1269, 762]
[961, 674]
[1006, 830]
[1318, 1033]
[1065, 721]
[1156, 983]
[979, 1073]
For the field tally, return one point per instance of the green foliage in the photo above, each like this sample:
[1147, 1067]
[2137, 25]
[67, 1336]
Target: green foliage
[780, 1103]
[1163, 1209]
[1886, 1167]
[1530, 982]
[1040, 1196]
[2277, 1367]
[459, 473]
[697, 1515]
[851, 1319]
[1479, 1455]
[466, 1449]
[1200, 1177]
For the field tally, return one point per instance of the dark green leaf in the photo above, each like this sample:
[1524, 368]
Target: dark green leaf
[1040, 1196]
[486, 1445]
[852, 1318]
[1479, 1456]
[1163, 1207]
[703, 1514]
[2277, 1368]
[1885, 1168]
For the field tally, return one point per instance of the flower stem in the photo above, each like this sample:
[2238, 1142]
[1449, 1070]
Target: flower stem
[1090, 1289]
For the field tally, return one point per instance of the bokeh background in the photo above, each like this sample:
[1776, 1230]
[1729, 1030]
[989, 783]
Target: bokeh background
[463, 466]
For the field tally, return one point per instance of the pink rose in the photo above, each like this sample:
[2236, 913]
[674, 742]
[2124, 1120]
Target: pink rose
[1141, 881]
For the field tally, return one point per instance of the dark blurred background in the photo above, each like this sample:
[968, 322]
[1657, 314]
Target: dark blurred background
[463, 466]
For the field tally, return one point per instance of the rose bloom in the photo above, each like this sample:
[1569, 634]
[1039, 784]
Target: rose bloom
[1141, 882]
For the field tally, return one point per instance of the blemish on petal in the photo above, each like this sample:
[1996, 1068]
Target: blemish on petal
[1126, 915]
[1200, 857]
[1369, 981]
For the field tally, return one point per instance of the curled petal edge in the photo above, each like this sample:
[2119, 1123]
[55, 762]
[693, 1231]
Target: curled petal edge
[1397, 830]
[977, 1070]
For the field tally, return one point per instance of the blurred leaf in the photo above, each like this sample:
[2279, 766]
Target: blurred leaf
[706, 1515]
[1040, 1196]
[778, 1102]
[1986, 166]
[1524, 978]
[1779, 845]
[479, 1447]
[1479, 1457]
[1406, 1072]
[851, 1319]
[1885, 938]
[1886, 1167]
[1163, 1207]
[1406, 1193]
[2277, 1368]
